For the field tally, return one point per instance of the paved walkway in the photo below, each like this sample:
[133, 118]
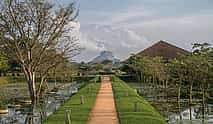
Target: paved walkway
[104, 111]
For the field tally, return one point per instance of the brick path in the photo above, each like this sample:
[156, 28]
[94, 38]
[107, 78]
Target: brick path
[104, 111]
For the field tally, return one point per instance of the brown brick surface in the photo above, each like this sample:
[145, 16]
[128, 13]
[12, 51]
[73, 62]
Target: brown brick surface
[104, 111]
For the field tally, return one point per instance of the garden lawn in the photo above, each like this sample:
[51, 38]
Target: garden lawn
[79, 112]
[11, 79]
[3, 80]
[125, 102]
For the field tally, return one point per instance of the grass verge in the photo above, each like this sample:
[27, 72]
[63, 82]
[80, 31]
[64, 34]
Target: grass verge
[126, 98]
[79, 112]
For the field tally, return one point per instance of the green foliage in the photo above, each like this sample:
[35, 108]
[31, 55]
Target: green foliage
[145, 113]
[79, 112]
[3, 105]
[3, 63]
[149, 66]
[194, 72]
[189, 68]
[99, 67]
[3, 80]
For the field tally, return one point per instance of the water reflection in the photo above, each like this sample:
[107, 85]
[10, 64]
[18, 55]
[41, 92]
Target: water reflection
[167, 105]
[21, 112]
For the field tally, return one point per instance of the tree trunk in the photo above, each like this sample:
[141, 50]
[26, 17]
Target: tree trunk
[31, 85]
[166, 90]
[141, 77]
[30, 76]
[138, 76]
[153, 81]
[30, 115]
[179, 103]
[55, 77]
[144, 79]
[163, 84]
[203, 103]
[40, 87]
[190, 101]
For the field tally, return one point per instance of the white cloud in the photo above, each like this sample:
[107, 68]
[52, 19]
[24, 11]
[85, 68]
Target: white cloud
[121, 41]
[129, 38]
[187, 20]
[130, 13]
[114, 17]
[182, 30]
[130, 30]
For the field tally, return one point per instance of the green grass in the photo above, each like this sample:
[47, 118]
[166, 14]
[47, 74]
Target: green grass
[79, 112]
[11, 79]
[145, 113]
[3, 80]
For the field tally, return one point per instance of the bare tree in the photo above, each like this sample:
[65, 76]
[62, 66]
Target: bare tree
[36, 33]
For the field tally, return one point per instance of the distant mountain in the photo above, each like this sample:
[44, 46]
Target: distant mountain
[104, 56]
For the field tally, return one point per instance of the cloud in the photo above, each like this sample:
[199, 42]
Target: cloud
[130, 14]
[133, 37]
[121, 41]
[129, 29]
[115, 16]
[180, 30]
[189, 20]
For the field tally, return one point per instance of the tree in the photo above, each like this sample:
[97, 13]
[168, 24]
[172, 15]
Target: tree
[3, 63]
[198, 72]
[158, 69]
[36, 33]
[99, 67]
[190, 61]
[177, 73]
[132, 65]
[194, 71]
[202, 53]
[141, 63]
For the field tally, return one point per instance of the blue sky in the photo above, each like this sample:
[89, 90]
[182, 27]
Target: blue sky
[140, 23]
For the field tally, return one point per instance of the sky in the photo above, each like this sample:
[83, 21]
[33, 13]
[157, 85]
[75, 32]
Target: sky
[129, 26]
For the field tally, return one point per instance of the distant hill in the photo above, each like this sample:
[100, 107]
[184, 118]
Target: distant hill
[163, 49]
[105, 56]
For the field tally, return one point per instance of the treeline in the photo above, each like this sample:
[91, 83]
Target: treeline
[11, 67]
[8, 65]
[191, 72]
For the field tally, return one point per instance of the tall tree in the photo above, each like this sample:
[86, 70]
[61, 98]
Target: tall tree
[177, 75]
[204, 66]
[3, 63]
[34, 32]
